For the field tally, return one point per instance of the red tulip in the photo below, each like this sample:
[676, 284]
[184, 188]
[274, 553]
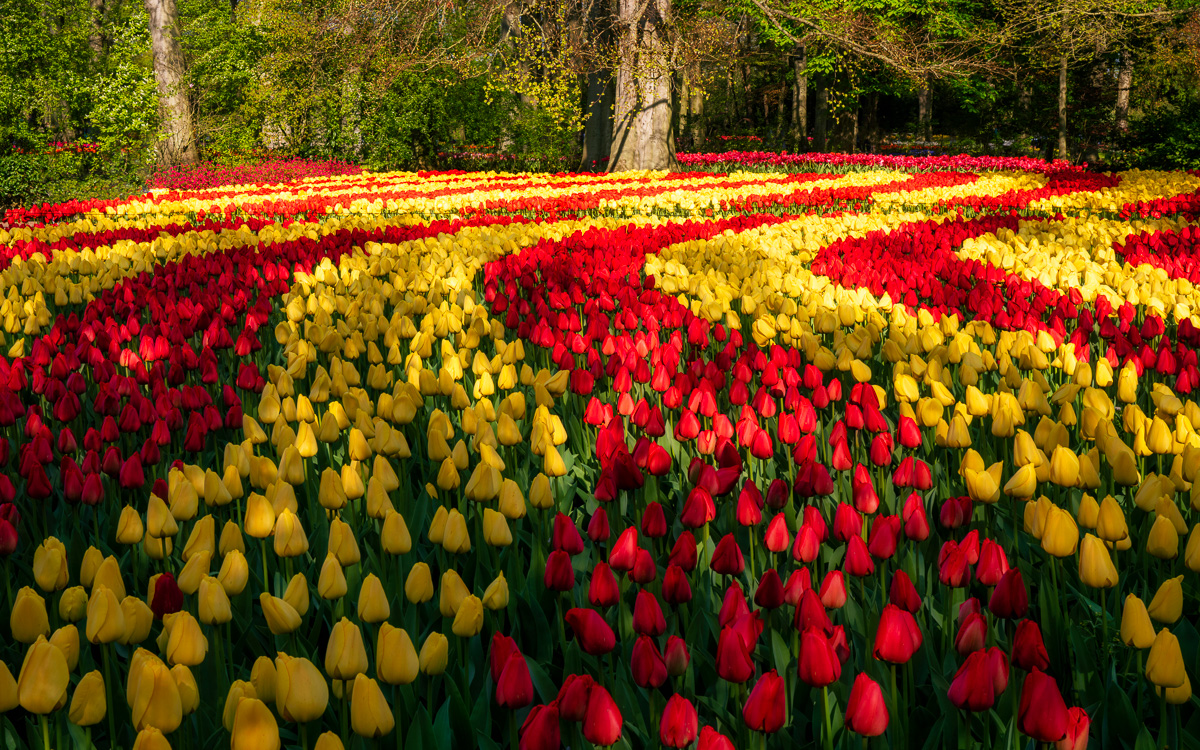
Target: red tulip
[623, 554]
[8, 538]
[727, 557]
[644, 570]
[766, 707]
[647, 664]
[818, 664]
[798, 582]
[749, 507]
[1078, 725]
[841, 459]
[603, 723]
[846, 523]
[733, 605]
[863, 490]
[953, 569]
[916, 523]
[955, 512]
[540, 730]
[777, 539]
[93, 490]
[969, 546]
[833, 590]
[1028, 648]
[647, 615]
[778, 494]
[591, 631]
[974, 687]
[677, 656]
[514, 689]
[573, 697]
[559, 575]
[908, 433]
[167, 598]
[972, 634]
[749, 626]
[1009, 599]
[698, 509]
[770, 590]
[502, 648]
[807, 545]
[683, 553]
[676, 589]
[566, 537]
[898, 636]
[733, 657]
[679, 723]
[881, 450]
[858, 562]
[810, 612]
[711, 739]
[603, 590]
[993, 563]
[866, 711]
[598, 529]
[1042, 714]
[654, 522]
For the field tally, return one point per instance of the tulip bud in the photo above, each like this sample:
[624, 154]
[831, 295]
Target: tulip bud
[138, 620]
[332, 582]
[282, 618]
[129, 527]
[394, 536]
[186, 644]
[396, 660]
[264, 678]
[453, 592]
[215, 608]
[189, 693]
[235, 573]
[106, 617]
[254, 726]
[151, 738]
[154, 698]
[89, 704]
[301, 693]
[29, 620]
[468, 620]
[866, 711]
[418, 587]
[50, 570]
[434, 654]
[345, 654]
[1167, 605]
[373, 604]
[495, 597]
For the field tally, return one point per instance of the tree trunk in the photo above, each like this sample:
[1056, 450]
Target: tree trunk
[696, 116]
[925, 111]
[821, 140]
[1062, 108]
[799, 134]
[1124, 82]
[179, 142]
[643, 137]
[96, 37]
[872, 124]
[597, 132]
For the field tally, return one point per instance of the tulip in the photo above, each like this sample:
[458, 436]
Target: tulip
[345, 654]
[710, 739]
[540, 730]
[9, 697]
[1164, 664]
[677, 657]
[89, 704]
[765, 709]
[593, 633]
[373, 604]
[866, 711]
[1096, 568]
[647, 665]
[1078, 726]
[189, 692]
[973, 687]
[733, 657]
[186, 644]
[342, 543]
[1110, 523]
[254, 726]
[151, 738]
[602, 725]
[1029, 650]
[818, 664]
[264, 678]
[679, 724]
[468, 621]
[418, 587]
[394, 536]
[72, 605]
[154, 699]
[1060, 535]
[573, 697]
[165, 596]
[453, 593]
[514, 688]
[898, 636]
[29, 620]
[647, 615]
[495, 596]
[1042, 714]
[972, 633]
[1163, 540]
[370, 714]
[903, 594]
[301, 693]
[434, 653]
[138, 621]
[106, 618]
[43, 679]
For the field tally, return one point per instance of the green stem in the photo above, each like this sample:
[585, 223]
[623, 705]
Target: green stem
[108, 695]
[45, 731]
[825, 712]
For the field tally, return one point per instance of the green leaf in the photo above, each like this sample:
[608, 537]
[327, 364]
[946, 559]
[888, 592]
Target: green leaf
[1144, 741]
[541, 681]
[421, 733]
[781, 651]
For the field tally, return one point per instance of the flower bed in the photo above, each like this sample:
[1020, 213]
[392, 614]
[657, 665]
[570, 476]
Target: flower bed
[478, 459]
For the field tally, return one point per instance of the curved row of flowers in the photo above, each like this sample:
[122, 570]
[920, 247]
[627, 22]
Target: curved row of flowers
[821, 466]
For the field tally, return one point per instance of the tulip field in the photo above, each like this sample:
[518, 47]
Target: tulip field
[897, 456]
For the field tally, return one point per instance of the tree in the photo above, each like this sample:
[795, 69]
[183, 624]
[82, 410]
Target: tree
[179, 141]
[643, 133]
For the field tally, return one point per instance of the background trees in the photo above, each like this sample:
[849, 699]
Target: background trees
[558, 84]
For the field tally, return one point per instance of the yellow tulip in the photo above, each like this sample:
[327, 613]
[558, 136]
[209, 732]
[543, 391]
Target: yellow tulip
[396, 660]
[1178, 696]
[9, 697]
[254, 726]
[301, 693]
[237, 691]
[66, 639]
[1064, 467]
[296, 594]
[1089, 512]
[394, 536]
[89, 704]
[1167, 605]
[1110, 524]
[495, 597]
[194, 571]
[1023, 483]
[151, 738]
[235, 573]
[1096, 568]
[186, 643]
[189, 692]
[512, 502]
[92, 558]
[259, 520]
[332, 582]
[50, 565]
[72, 605]
[1136, 629]
[434, 654]
[290, 539]
[418, 588]
[468, 620]
[329, 741]
[202, 539]
[105, 616]
[28, 620]
[138, 620]
[456, 539]
[1163, 541]
[264, 678]
[540, 494]
[342, 543]
[282, 618]
[1164, 664]
[214, 607]
[1191, 555]
[453, 592]
[373, 606]
[231, 539]
[1060, 535]
[331, 495]
[345, 654]
[129, 527]
[370, 714]
[154, 697]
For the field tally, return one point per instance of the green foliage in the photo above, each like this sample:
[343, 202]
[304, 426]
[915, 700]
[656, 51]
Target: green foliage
[54, 178]
[124, 116]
